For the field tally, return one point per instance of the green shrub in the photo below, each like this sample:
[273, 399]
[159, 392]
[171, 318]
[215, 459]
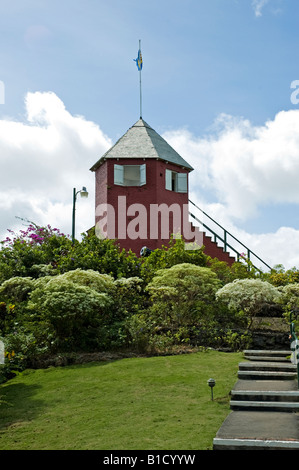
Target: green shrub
[103, 283]
[183, 293]
[74, 311]
[248, 296]
[169, 256]
[182, 298]
[16, 289]
[290, 303]
[22, 252]
[101, 255]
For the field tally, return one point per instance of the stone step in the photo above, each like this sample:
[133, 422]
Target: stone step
[253, 444]
[258, 430]
[265, 352]
[268, 358]
[267, 366]
[264, 405]
[290, 396]
[265, 375]
[262, 417]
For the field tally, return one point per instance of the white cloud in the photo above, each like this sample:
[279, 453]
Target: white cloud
[238, 168]
[42, 160]
[245, 168]
[258, 5]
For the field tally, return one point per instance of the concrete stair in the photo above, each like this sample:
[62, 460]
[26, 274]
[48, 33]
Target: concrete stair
[264, 400]
[264, 404]
[261, 355]
[267, 370]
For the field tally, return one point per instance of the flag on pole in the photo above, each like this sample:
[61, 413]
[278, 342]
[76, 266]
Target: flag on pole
[139, 61]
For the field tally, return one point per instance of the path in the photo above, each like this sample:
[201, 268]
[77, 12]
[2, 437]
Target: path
[264, 404]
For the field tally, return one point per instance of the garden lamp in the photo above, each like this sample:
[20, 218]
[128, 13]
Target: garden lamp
[211, 383]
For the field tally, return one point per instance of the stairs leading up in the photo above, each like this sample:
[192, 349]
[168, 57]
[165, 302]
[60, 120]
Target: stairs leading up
[212, 248]
[224, 243]
[260, 355]
[216, 251]
[264, 401]
[267, 370]
[264, 404]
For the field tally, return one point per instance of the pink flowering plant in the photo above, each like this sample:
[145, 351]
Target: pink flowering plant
[34, 235]
[21, 253]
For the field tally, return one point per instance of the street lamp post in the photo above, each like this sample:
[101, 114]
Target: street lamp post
[83, 193]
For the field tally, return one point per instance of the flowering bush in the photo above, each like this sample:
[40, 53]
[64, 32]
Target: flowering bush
[182, 298]
[16, 289]
[74, 312]
[171, 255]
[34, 235]
[290, 302]
[22, 253]
[93, 279]
[290, 296]
[183, 292]
[248, 295]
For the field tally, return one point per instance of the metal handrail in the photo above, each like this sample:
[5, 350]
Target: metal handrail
[224, 239]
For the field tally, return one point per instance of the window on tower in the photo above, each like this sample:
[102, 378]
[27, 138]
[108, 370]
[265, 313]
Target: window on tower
[177, 182]
[130, 175]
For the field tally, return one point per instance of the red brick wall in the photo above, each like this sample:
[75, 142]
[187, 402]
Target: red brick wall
[153, 192]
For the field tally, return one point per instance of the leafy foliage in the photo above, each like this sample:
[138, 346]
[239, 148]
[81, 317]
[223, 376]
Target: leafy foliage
[22, 253]
[248, 295]
[166, 257]
[290, 296]
[281, 277]
[57, 296]
[183, 292]
[182, 301]
[73, 311]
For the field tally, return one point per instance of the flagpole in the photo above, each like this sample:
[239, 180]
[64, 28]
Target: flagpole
[140, 84]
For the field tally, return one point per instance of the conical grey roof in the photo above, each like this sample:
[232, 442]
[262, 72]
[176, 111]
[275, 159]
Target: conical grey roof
[142, 141]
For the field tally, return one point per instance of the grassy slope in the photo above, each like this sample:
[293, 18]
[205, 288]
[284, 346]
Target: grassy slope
[157, 403]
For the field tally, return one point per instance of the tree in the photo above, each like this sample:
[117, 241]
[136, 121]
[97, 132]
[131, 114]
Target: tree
[102, 255]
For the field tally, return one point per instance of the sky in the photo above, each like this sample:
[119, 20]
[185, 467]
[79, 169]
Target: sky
[220, 82]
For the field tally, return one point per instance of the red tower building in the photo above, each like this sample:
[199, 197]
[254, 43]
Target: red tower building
[142, 193]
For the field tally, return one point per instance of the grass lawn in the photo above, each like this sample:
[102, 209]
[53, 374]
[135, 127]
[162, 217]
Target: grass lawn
[156, 403]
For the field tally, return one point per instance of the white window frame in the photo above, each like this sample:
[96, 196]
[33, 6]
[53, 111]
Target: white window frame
[177, 182]
[119, 175]
[182, 183]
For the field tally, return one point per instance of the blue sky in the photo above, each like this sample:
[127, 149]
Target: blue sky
[216, 83]
[201, 58]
